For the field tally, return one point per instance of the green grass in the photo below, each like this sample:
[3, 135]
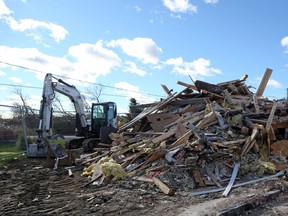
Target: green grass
[6, 149]
[8, 153]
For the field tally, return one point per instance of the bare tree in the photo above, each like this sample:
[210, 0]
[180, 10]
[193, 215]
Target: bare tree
[59, 107]
[27, 109]
[94, 93]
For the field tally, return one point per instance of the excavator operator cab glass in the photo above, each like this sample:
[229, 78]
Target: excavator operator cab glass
[98, 111]
[111, 112]
[104, 114]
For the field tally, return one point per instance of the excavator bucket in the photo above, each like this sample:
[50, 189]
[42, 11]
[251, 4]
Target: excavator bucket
[44, 149]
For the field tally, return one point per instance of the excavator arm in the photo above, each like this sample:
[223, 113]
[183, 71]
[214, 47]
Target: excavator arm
[97, 129]
[43, 148]
[46, 109]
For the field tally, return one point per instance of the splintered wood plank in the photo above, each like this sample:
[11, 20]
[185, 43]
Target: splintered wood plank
[208, 87]
[97, 173]
[271, 116]
[234, 99]
[168, 92]
[198, 179]
[187, 85]
[213, 177]
[163, 187]
[210, 117]
[250, 142]
[163, 136]
[264, 82]
[228, 144]
[158, 121]
[233, 81]
[255, 101]
[182, 139]
[190, 101]
[193, 108]
[181, 130]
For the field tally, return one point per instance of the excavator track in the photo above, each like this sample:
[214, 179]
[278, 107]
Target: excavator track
[89, 144]
[75, 143]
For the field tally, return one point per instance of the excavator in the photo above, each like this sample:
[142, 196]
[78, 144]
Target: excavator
[88, 131]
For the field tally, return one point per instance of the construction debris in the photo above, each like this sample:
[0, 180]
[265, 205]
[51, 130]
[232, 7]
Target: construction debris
[194, 138]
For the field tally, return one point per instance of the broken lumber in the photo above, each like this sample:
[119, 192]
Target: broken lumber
[264, 82]
[163, 187]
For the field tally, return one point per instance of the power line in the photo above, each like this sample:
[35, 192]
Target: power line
[23, 86]
[103, 85]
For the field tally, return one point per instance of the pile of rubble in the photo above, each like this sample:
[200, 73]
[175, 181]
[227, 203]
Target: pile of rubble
[205, 135]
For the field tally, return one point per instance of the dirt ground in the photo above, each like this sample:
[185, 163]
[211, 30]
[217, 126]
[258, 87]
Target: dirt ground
[28, 188]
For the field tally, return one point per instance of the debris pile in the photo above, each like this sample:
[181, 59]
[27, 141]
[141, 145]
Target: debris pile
[197, 137]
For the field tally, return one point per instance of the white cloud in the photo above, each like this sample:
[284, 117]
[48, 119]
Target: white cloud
[16, 80]
[284, 41]
[93, 59]
[4, 10]
[132, 68]
[33, 59]
[198, 67]
[144, 49]
[211, 1]
[32, 27]
[84, 62]
[138, 9]
[275, 84]
[180, 6]
[133, 92]
[57, 32]
[2, 73]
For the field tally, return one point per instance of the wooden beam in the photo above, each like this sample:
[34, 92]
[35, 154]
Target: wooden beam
[233, 81]
[271, 116]
[168, 92]
[163, 136]
[187, 85]
[182, 139]
[255, 101]
[264, 82]
[163, 187]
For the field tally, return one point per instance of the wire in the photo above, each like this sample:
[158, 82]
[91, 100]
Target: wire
[103, 85]
[22, 86]
[33, 87]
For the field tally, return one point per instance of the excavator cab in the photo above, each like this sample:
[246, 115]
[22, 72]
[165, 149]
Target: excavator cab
[103, 120]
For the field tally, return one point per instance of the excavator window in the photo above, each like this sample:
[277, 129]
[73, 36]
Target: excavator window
[99, 112]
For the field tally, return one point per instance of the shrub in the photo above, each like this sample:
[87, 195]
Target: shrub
[7, 134]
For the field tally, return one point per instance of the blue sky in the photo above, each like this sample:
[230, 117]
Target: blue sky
[132, 47]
